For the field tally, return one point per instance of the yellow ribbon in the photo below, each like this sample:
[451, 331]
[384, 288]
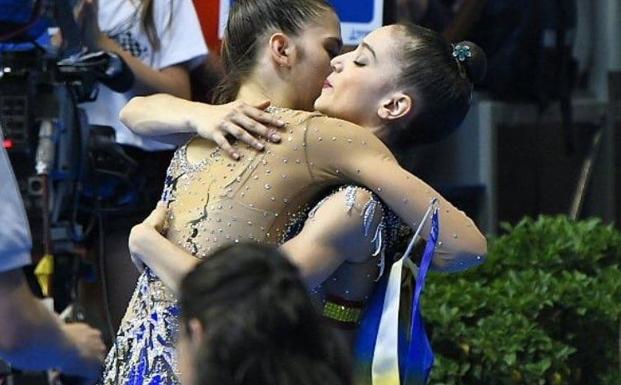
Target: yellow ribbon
[44, 272]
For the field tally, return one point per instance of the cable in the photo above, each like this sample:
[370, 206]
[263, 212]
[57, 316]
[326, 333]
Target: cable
[76, 194]
[104, 281]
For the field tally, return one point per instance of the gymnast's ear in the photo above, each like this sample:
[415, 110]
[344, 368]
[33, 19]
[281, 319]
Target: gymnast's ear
[282, 49]
[395, 106]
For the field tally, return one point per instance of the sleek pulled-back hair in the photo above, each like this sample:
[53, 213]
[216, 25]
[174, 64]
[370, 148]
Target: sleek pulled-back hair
[442, 83]
[248, 23]
[260, 325]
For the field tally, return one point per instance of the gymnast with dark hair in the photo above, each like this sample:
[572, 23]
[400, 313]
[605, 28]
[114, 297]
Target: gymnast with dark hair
[402, 83]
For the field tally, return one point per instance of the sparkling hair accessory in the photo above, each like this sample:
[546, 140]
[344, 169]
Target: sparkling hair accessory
[461, 53]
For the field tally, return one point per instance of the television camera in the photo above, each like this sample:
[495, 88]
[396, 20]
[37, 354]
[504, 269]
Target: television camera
[67, 170]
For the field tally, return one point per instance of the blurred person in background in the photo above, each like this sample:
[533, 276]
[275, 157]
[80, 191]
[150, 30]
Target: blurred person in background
[161, 42]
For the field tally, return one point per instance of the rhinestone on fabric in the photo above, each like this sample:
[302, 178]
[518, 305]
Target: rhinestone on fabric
[146, 335]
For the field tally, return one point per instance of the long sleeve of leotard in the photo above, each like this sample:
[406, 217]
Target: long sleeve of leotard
[340, 151]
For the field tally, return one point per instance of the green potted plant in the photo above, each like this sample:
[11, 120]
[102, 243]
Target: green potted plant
[544, 309]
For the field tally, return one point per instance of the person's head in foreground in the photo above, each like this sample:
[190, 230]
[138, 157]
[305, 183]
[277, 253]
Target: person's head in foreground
[247, 319]
[405, 82]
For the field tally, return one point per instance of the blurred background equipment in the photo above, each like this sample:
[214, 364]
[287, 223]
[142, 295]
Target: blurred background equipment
[68, 173]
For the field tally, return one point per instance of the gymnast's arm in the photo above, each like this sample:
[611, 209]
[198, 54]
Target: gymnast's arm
[338, 150]
[147, 246]
[174, 120]
[333, 236]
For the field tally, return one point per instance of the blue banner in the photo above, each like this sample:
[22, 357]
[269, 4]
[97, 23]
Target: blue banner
[350, 11]
[358, 11]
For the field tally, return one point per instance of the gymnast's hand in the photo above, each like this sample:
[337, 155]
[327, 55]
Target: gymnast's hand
[145, 233]
[239, 120]
[173, 120]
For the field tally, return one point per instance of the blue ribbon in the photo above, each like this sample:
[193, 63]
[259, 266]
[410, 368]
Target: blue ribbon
[415, 353]
[419, 360]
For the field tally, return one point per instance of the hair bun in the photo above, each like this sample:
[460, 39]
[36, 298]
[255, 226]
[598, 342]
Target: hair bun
[472, 58]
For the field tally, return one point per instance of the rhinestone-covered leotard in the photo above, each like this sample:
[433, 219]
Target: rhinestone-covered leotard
[214, 201]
